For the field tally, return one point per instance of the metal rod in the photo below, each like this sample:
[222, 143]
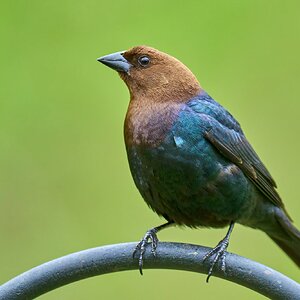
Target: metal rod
[115, 258]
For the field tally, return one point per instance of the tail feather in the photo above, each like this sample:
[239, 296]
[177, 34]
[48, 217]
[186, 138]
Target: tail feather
[289, 239]
[289, 249]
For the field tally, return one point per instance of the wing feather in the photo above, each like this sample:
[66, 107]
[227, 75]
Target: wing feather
[235, 147]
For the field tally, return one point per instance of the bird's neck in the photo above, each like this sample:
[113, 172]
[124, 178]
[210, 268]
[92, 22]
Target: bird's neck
[175, 90]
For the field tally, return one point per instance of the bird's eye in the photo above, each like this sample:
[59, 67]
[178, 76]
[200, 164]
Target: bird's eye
[144, 60]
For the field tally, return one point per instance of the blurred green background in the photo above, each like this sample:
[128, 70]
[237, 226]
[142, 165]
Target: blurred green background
[64, 182]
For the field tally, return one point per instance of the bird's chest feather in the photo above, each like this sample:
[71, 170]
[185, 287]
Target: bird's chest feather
[181, 176]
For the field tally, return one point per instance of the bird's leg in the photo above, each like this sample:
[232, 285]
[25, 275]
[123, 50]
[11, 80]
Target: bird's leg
[150, 235]
[220, 251]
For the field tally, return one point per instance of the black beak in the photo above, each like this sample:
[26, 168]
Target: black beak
[116, 61]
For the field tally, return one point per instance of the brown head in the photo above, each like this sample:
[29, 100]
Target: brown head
[151, 74]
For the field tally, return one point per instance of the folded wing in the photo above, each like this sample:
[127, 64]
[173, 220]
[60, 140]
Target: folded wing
[235, 147]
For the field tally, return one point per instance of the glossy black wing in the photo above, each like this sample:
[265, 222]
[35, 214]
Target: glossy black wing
[235, 147]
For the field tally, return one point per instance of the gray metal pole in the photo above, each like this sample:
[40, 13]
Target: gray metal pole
[115, 258]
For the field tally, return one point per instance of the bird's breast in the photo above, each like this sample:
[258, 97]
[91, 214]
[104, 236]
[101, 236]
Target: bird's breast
[149, 123]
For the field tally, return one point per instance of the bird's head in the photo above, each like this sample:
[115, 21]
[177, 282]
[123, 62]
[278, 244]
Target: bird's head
[152, 74]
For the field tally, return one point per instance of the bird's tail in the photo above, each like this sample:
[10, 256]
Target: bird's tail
[287, 236]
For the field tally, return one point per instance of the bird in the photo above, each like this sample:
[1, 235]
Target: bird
[190, 159]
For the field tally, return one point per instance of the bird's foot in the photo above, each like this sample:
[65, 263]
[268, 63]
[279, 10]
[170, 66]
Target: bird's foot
[220, 255]
[141, 246]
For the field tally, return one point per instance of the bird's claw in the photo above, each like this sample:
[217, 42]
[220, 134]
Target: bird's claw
[220, 254]
[141, 246]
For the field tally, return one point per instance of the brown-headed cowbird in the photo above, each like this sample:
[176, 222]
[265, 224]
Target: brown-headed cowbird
[190, 159]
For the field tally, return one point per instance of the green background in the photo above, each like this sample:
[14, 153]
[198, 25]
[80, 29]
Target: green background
[65, 184]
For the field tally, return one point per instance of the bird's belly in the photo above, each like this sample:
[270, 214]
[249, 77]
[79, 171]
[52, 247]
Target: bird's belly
[193, 188]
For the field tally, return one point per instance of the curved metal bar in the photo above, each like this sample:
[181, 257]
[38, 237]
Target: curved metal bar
[115, 258]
